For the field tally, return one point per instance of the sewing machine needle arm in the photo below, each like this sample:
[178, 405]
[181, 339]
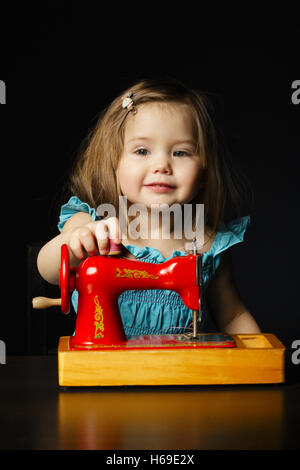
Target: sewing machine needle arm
[200, 284]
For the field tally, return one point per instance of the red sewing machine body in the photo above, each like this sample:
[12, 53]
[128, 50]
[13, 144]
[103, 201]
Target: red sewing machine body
[100, 280]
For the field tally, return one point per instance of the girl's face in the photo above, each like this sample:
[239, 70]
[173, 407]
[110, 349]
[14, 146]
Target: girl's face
[160, 147]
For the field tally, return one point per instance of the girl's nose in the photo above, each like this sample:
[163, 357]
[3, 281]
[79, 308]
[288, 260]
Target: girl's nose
[162, 165]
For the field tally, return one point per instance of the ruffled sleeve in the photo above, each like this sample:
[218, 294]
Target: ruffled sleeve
[73, 206]
[228, 235]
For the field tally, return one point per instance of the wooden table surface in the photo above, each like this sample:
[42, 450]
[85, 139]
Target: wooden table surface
[36, 414]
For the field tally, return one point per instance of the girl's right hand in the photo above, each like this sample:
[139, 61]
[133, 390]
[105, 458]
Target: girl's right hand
[94, 237]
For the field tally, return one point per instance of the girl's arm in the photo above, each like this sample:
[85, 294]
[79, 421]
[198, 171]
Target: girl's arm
[83, 236]
[225, 304]
[48, 260]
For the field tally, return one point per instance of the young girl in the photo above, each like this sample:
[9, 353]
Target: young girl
[155, 145]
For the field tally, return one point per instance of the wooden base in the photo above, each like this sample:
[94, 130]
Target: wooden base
[255, 359]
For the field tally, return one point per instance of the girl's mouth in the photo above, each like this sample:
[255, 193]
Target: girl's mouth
[160, 187]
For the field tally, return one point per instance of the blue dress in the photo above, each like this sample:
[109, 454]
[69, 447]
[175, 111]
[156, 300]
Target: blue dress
[147, 312]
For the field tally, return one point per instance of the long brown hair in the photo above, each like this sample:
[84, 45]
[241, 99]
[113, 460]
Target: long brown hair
[94, 180]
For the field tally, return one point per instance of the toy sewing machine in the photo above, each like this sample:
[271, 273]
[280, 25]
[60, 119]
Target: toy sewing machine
[100, 355]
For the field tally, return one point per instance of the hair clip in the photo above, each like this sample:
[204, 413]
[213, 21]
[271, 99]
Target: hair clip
[128, 103]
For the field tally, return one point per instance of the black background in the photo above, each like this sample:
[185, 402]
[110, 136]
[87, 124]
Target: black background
[63, 64]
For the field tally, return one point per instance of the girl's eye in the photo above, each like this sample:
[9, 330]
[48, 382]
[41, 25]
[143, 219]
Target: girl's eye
[180, 153]
[141, 151]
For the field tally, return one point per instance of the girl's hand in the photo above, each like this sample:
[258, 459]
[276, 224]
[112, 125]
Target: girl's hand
[93, 237]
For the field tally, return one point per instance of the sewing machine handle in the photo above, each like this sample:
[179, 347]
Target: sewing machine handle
[66, 284]
[64, 279]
